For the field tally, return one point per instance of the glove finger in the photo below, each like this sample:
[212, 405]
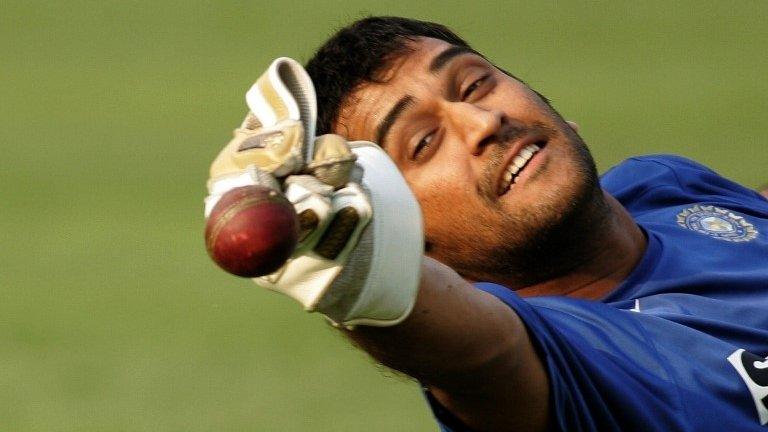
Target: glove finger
[311, 199]
[348, 241]
[284, 94]
[333, 160]
[351, 213]
[278, 133]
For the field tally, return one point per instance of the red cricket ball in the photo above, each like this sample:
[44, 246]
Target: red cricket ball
[251, 231]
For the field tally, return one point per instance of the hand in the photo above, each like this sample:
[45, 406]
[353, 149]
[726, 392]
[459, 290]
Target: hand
[361, 244]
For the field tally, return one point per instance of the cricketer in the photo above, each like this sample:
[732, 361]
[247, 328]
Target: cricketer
[459, 233]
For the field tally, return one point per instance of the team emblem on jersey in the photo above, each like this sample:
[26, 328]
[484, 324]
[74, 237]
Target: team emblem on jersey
[718, 223]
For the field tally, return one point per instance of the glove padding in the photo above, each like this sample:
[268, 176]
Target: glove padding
[361, 244]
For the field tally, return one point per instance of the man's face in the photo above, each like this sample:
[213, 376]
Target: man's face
[460, 130]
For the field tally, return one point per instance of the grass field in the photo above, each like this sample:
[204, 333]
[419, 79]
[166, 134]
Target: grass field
[112, 318]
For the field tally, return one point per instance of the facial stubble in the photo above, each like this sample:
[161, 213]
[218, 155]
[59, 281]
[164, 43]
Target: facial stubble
[525, 246]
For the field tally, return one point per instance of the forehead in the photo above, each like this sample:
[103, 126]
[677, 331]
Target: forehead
[365, 108]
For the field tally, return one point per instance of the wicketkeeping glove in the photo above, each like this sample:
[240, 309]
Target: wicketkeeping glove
[361, 241]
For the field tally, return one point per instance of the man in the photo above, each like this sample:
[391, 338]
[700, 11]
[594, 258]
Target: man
[548, 300]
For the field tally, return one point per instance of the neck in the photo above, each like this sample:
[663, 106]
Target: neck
[617, 255]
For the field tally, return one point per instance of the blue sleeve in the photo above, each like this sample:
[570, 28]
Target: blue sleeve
[605, 373]
[616, 370]
[649, 182]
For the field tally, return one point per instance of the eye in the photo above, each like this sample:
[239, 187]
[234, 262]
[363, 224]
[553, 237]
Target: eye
[423, 144]
[472, 87]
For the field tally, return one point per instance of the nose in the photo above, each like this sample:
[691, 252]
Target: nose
[474, 124]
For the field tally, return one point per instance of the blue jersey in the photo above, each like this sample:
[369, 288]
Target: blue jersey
[681, 344]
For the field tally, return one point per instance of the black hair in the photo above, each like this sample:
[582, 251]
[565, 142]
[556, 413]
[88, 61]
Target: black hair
[359, 53]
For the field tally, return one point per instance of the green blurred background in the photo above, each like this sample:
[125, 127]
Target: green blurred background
[111, 315]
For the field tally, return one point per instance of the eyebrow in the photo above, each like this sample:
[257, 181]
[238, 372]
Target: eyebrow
[444, 57]
[437, 64]
[392, 115]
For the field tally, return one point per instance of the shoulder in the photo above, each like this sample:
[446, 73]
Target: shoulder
[622, 369]
[644, 172]
[668, 180]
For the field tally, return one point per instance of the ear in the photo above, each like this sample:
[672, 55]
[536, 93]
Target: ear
[573, 125]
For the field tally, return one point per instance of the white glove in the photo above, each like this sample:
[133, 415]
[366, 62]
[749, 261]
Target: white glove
[360, 249]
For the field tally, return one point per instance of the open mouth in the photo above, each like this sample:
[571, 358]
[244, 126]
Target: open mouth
[517, 165]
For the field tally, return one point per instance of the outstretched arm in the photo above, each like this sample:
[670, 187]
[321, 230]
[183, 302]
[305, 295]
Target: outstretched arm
[360, 260]
[764, 191]
[469, 349]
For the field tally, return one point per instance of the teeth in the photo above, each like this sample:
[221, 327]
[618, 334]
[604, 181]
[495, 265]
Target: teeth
[510, 174]
[519, 161]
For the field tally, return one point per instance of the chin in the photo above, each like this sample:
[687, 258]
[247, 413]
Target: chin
[549, 232]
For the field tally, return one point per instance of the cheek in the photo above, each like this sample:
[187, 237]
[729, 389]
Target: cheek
[519, 103]
[452, 210]
[443, 198]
